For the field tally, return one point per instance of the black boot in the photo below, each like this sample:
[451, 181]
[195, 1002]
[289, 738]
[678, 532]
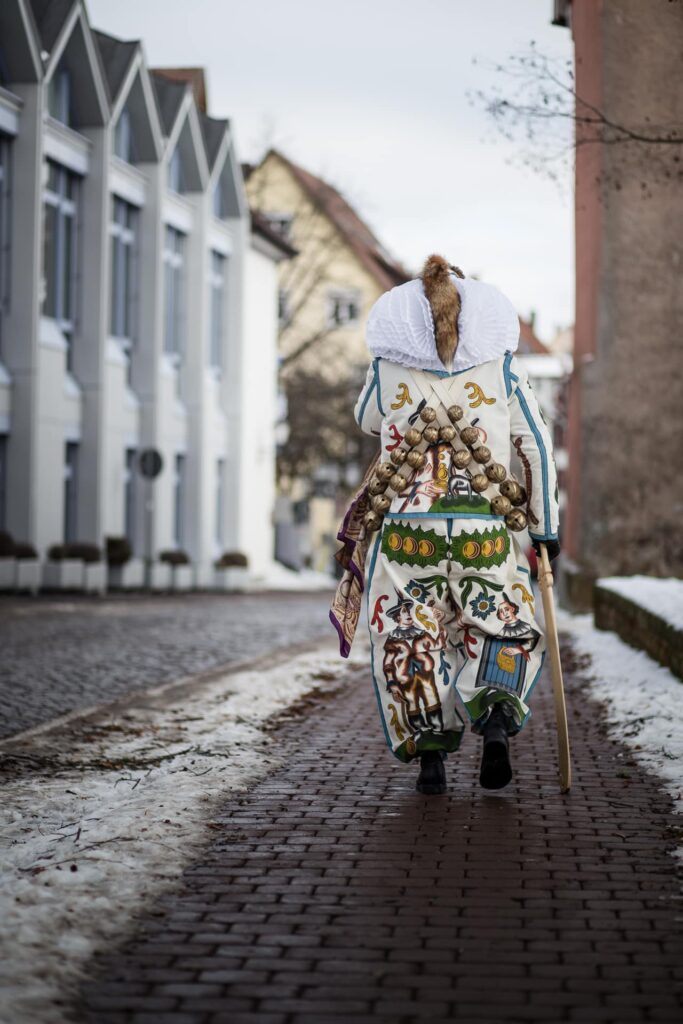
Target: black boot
[432, 777]
[495, 769]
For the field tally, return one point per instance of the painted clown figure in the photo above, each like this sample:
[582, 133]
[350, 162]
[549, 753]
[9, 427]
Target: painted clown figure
[466, 463]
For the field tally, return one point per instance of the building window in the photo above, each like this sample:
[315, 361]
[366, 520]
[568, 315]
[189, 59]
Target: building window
[343, 308]
[3, 481]
[59, 96]
[179, 501]
[217, 325]
[60, 256]
[174, 250]
[175, 179]
[123, 231]
[129, 492]
[4, 230]
[217, 202]
[70, 492]
[123, 137]
[281, 222]
[220, 502]
[284, 308]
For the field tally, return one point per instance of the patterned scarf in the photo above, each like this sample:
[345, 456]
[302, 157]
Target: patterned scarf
[347, 602]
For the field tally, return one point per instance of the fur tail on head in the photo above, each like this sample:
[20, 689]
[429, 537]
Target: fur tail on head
[444, 301]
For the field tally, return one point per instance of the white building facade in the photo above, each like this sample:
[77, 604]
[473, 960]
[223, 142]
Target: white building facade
[138, 305]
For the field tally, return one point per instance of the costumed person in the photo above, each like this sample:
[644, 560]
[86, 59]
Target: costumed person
[431, 535]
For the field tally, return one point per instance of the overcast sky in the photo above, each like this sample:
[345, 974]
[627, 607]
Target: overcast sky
[371, 94]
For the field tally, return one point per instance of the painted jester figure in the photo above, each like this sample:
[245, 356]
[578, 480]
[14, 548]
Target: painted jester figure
[450, 602]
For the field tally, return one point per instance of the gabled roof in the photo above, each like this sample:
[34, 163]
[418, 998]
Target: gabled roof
[260, 226]
[213, 133]
[116, 56]
[169, 95]
[19, 48]
[50, 16]
[368, 249]
[194, 77]
[529, 342]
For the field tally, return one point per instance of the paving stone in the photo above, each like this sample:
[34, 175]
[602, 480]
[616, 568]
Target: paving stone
[513, 907]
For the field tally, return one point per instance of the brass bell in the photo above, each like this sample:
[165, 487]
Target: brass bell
[416, 459]
[385, 470]
[447, 433]
[381, 503]
[500, 505]
[479, 482]
[377, 486]
[515, 520]
[455, 413]
[469, 435]
[397, 483]
[412, 437]
[482, 453]
[521, 499]
[511, 489]
[462, 458]
[428, 415]
[398, 456]
[496, 472]
[372, 521]
[430, 434]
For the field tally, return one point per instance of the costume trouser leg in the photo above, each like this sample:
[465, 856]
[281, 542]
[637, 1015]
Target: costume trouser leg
[451, 612]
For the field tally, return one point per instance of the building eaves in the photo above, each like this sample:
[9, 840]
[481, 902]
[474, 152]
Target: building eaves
[49, 16]
[368, 249]
[115, 56]
[213, 133]
[260, 226]
[194, 77]
[169, 95]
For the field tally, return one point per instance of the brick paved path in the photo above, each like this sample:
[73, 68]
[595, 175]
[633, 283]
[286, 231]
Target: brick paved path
[337, 893]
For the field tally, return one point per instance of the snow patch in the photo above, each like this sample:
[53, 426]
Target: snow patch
[101, 815]
[279, 577]
[644, 701]
[661, 597]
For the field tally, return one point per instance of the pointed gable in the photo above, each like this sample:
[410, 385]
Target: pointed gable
[132, 97]
[19, 49]
[185, 154]
[69, 49]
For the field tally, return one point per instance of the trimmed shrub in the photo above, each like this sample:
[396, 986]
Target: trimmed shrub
[87, 552]
[80, 550]
[174, 557]
[22, 549]
[119, 551]
[7, 545]
[232, 560]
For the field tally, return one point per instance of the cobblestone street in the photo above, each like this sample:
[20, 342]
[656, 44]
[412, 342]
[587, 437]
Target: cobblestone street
[64, 654]
[333, 892]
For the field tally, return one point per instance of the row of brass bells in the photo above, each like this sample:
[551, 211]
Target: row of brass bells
[377, 486]
[382, 502]
[514, 491]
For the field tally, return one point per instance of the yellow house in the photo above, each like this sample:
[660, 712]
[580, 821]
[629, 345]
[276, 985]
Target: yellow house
[326, 292]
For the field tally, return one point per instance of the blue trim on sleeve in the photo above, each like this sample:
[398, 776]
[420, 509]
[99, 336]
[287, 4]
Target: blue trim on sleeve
[506, 373]
[544, 460]
[367, 399]
[375, 363]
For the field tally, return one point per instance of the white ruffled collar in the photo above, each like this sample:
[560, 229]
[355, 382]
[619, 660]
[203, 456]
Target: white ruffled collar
[401, 328]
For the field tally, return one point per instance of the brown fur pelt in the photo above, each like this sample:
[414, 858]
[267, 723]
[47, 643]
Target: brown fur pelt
[444, 301]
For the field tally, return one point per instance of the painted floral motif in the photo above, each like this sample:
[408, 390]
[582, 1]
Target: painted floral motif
[477, 396]
[482, 605]
[402, 397]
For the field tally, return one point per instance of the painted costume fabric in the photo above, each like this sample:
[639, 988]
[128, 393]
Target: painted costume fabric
[450, 604]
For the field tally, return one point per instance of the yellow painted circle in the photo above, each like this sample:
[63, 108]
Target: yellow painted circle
[411, 746]
[487, 548]
[394, 541]
[500, 545]
[409, 545]
[425, 548]
[470, 549]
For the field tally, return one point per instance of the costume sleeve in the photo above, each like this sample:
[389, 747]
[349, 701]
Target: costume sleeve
[532, 442]
[368, 412]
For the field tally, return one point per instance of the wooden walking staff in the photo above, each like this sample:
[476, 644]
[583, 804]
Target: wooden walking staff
[545, 582]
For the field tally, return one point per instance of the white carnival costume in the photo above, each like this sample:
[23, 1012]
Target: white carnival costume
[450, 603]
